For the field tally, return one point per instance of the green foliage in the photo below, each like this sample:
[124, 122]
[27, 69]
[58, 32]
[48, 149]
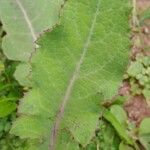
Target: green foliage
[78, 65]
[139, 74]
[124, 146]
[7, 141]
[75, 66]
[107, 137]
[144, 133]
[119, 127]
[10, 92]
[80, 58]
[24, 21]
[9, 89]
[23, 74]
[120, 114]
[6, 107]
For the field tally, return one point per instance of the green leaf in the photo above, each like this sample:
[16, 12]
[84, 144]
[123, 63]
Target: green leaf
[24, 20]
[36, 127]
[146, 93]
[66, 142]
[124, 146]
[144, 133]
[120, 114]
[77, 64]
[23, 74]
[122, 131]
[6, 107]
[107, 131]
[135, 69]
[145, 141]
[144, 126]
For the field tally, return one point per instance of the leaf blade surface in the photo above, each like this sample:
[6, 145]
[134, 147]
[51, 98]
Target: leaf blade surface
[24, 20]
[84, 56]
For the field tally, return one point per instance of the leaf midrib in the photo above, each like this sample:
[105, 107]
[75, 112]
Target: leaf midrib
[60, 114]
[26, 17]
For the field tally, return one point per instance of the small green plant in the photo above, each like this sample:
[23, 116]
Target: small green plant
[139, 75]
[10, 93]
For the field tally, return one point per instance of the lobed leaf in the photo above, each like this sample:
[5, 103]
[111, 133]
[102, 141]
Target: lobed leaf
[78, 65]
[24, 21]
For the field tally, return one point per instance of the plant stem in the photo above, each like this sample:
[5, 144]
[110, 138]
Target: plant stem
[135, 20]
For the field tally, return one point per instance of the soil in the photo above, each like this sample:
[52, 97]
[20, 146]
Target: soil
[136, 107]
[142, 5]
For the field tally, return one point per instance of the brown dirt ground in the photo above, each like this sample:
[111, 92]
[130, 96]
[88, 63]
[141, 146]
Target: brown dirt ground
[143, 4]
[136, 106]
[137, 109]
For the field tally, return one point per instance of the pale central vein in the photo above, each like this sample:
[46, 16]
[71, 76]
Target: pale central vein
[27, 19]
[71, 83]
